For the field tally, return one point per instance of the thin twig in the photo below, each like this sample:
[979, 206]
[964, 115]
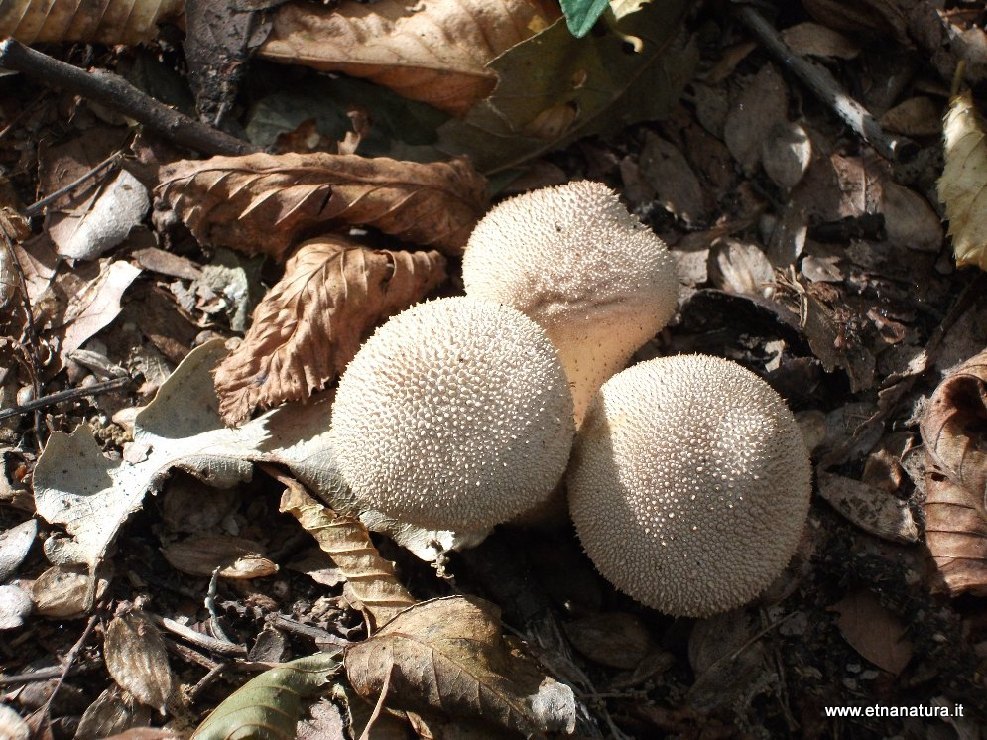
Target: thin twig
[113, 91]
[45, 674]
[210, 603]
[205, 642]
[69, 660]
[280, 621]
[108, 165]
[819, 80]
[70, 394]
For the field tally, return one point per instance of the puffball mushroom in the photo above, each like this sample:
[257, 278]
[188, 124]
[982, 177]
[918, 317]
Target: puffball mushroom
[455, 415]
[593, 276]
[689, 484]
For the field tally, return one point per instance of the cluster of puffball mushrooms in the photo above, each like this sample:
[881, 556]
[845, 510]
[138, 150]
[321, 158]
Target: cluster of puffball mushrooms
[686, 476]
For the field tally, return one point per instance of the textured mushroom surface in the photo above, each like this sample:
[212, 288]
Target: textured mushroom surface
[689, 484]
[455, 414]
[592, 275]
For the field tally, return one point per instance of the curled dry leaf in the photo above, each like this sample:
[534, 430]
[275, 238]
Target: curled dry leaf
[870, 508]
[107, 22]
[346, 540]
[435, 51]
[963, 185]
[953, 430]
[61, 592]
[200, 555]
[262, 203]
[448, 655]
[271, 704]
[137, 659]
[310, 325]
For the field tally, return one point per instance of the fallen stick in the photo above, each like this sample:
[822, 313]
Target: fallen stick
[67, 395]
[114, 92]
[819, 80]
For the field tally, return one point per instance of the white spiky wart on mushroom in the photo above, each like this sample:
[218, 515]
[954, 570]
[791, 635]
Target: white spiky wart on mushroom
[454, 415]
[576, 261]
[689, 484]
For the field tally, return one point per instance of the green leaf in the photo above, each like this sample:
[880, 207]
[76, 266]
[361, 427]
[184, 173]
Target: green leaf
[270, 705]
[555, 89]
[581, 15]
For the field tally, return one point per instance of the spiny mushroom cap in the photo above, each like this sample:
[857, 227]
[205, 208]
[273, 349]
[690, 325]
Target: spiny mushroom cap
[455, 414]
[689, 484]
[592, 275]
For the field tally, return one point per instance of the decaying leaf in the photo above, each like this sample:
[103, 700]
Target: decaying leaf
[811, 39]
[75, 485]
[728, 659]
[97, 224]
[762, 105]
[61, 592]
[554, 89]
[12, 725]
[448, 655]
[236, 557]
[953, 430]
[98, 304]
[963, 185]
[137, 659]
[262, 203]
[615, 639]
[271, 704]
[918, 116]
[874, 631]
[15, 606]
[112, 712]
[740, 267]
[310, 325]
[371, 578]
[13, 228]
[435, 51]
[88, 21]
[871, 509]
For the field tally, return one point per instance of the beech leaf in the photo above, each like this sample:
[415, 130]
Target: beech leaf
[311, 324]
[953, 429]
[963, 185]
[108, 22]
[435, 51]
[447, 654]
[271, 704]
[262, 203]
[371, 578]
[137, 659]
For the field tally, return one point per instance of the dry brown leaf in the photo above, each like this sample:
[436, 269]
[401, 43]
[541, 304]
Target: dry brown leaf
[264, 202]
[310, 325]
[813, 40]
[918, 116]
[953, 430]
[371, 578]
[963, 185]
[137, 659]
[201, 554]
[740, 267]
[870, 508]
[448, 655]
[100, 21]
[873, 631]
[435, 51]
[762, 105]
